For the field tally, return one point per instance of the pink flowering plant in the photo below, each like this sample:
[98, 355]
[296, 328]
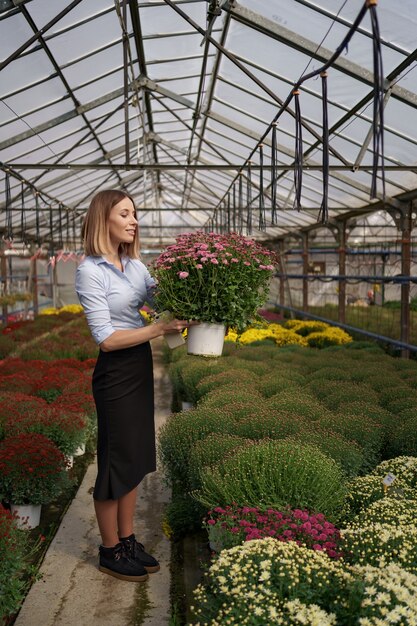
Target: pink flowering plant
[231, 525]
[214, 278]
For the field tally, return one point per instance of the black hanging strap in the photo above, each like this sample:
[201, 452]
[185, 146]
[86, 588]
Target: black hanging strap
[68, 229]
[228, 211]
[249, 199]
[262, 220]
[51, 233]
[240, 203]
[298, 157]
[37, 226]
[9, 217]
[60, 241]
[234, 207]
[378, 108]
[23, 215]
[274, 175]
[323, 216]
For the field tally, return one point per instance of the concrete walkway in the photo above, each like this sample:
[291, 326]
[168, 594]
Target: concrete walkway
[72, 591]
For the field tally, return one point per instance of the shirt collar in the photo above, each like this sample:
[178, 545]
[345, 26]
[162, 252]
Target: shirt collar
[98, 260]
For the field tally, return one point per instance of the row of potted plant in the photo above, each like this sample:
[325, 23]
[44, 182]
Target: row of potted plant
[46, 415]
[293, 332]
[18, 333]
[216, 454]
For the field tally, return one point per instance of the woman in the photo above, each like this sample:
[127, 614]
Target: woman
[112, 284]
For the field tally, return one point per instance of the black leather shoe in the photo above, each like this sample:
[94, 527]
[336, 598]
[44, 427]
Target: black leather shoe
[117, 562]
[136, 551]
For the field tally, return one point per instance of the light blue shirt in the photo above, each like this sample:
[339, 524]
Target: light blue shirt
[111, 299]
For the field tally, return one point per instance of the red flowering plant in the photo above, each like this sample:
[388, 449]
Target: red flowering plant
[64, 425]
[213, 278]
[32, 469]
[231, 525]
[55, 380]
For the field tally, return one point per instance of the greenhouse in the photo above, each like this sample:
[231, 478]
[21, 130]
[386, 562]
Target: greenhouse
[265, 156]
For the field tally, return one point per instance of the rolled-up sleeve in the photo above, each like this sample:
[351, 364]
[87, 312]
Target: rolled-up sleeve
[150, 288]
[91, 292]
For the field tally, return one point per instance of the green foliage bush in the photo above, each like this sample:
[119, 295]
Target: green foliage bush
[347, 454]
[334, 394]
[188, 373]
[370, 411]
[228, 377]
[330, 373]
[300, 404]
[387, 396]
[402, 434]
[274, 384]
[232, 394]
[263, 423]
[401, 404]
[363, 430]
[263, 353]
[184, 515]
[177, 436]
[210, 451]
[276, 474]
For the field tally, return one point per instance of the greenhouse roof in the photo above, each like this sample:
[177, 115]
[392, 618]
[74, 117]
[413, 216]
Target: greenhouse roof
[170, 99]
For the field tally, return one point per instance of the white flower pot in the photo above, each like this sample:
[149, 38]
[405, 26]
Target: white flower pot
[80, 450]
[206, 339]
[29, 515]
[186, 406]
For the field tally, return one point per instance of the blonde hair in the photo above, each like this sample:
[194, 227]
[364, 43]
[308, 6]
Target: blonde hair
[95, 229]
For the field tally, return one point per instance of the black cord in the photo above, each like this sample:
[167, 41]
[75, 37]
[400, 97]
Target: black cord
[23, 215]
[274, 175]
[323, 216]
[262, 220]
[9, 218]
[249, 199]
[298, 156]
[378, 108]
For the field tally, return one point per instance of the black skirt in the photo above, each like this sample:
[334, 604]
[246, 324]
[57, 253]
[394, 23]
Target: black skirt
[123, 393]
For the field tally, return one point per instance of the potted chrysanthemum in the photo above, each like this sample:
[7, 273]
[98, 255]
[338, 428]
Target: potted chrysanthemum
[32, 473]
[219, 280]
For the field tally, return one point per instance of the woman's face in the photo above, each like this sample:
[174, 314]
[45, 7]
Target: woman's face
[122, 222]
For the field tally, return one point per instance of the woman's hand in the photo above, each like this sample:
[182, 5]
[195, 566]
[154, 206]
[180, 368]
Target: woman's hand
[176, 326]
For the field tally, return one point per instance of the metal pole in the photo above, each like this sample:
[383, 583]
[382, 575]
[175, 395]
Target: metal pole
[3, 269]
[405, 271]
[34, 272]
[305, 271]
[281, 278]
[342, 271]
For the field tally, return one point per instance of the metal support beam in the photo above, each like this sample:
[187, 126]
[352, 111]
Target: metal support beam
[304, 238]
[38, 34]
[342, 240]
[306, 46]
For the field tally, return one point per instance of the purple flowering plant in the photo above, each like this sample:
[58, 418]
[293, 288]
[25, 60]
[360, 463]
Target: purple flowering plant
[231, 525]
[210, 277]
